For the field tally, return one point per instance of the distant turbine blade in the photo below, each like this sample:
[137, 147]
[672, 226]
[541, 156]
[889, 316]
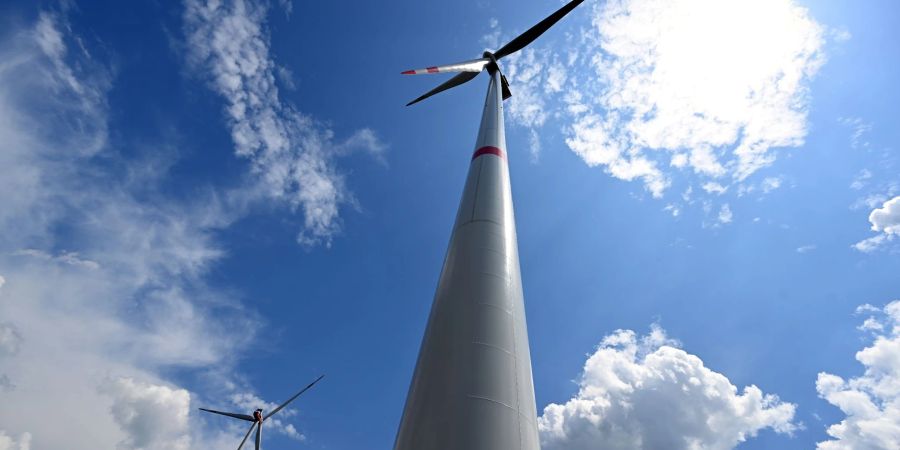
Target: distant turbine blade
[527, 37]
[475, 65]
[236, 416]
[247, 435]
[259, 436]
[292, 398]
[453, 82]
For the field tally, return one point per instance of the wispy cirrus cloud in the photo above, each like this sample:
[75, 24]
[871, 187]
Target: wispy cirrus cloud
[860, 130]
[121, 293]
[631, 381]
[102, 274]
[292, 153]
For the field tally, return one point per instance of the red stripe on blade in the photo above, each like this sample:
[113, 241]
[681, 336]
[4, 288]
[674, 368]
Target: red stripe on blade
[489, 151]
[408, 72]
[432, 70]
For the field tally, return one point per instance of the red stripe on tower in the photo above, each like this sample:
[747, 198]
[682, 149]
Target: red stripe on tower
[489, 151]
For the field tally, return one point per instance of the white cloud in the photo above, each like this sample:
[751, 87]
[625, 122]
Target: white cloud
[714, 188]
[286, 77]
[725, 215]
[491, 40]
[103, 273]
[536, 75]
[630, 382]
[874, 200]
[885, 221]
[152, 416]
[873, 243]
[770, 184]
[711, 87]
[9, 443]
[591, 141]
[529, 69]
[806, 248]
[870, 402]
[860, 181]
[10, 339]
[287, 6]
[860, 129]
[363, 140]
[247, 401]
[120, 293]
[534, 145]
[840, 34]
[673, 209]
[70, 258]
[887, 218]
[291, 153]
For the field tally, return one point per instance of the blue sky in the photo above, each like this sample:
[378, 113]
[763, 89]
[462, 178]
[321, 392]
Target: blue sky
[212, 204]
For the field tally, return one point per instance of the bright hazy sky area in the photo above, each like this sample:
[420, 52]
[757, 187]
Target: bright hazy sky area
[211, 203]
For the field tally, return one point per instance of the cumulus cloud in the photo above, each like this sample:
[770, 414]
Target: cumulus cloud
[681, 91]
[631, 381]
[885, 221]
[23, 442]
[887, 218]
[292, 153]
[870, 402]
[152, 416]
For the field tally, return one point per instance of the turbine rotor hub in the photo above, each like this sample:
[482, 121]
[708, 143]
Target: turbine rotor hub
[491, 66]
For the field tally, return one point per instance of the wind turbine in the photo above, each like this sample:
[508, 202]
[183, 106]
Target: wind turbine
[472, 388]
[257, 418]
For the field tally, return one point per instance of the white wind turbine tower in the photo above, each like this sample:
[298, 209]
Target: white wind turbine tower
[472, 388]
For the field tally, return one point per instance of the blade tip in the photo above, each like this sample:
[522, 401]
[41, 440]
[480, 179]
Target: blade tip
[408, 72]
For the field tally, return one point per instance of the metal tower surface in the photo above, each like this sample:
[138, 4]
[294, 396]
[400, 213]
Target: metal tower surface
[472, 388]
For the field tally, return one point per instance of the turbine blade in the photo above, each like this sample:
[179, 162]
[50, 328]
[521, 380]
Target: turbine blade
[247, 435]
[527, 37]
[475, 65]
[292, 398]
[453, 82]
[258, 436]
[236, 416]
[505, 86]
